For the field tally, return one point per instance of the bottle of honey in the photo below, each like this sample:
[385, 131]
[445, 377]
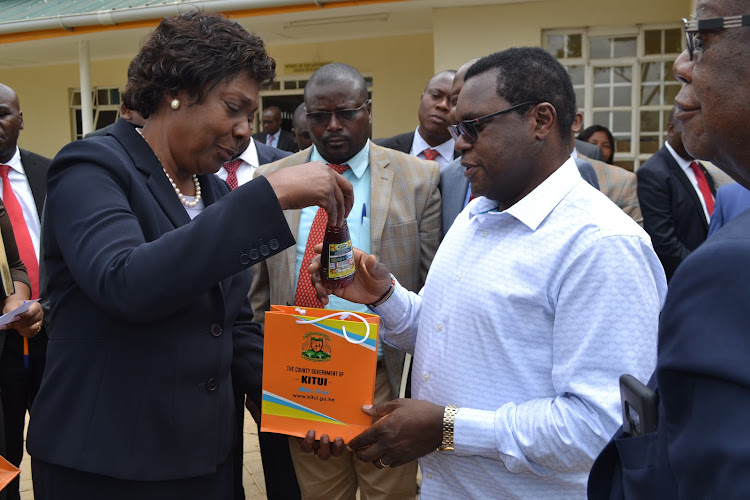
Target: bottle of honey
[337, 258]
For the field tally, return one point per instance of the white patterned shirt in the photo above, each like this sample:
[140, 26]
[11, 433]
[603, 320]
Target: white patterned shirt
[527, 319]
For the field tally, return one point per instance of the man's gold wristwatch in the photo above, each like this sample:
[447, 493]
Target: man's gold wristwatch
[449, 420]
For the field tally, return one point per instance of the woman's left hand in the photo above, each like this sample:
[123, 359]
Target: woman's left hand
[28, 323]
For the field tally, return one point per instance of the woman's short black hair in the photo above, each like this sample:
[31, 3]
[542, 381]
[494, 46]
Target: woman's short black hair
[193, 52]
[588, 132]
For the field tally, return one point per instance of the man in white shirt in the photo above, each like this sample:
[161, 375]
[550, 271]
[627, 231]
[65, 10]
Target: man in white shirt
[540, 296]
[676, 194]
[431, 140]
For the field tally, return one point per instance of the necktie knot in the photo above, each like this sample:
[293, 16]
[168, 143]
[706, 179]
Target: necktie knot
[232, 166]
[4, 169]
[339, 168]
[431, 154]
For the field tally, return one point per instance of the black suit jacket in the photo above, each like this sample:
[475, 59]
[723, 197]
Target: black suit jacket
[286, 141]
[700, 448]
[150, 313]
[672, 212]
[403, 142]
[267, 154]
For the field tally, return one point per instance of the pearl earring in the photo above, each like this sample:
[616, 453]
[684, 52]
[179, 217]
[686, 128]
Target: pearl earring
[175, 104]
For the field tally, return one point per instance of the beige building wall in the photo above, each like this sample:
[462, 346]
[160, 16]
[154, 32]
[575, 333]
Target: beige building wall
[461, 34]
[400, 67]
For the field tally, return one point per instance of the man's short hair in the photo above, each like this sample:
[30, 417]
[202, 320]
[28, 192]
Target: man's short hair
[531, 74]
[334, 73]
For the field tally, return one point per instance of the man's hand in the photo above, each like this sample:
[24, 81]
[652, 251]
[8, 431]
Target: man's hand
[311, 184]
[371, 281]
[408, 429]
[323, 448]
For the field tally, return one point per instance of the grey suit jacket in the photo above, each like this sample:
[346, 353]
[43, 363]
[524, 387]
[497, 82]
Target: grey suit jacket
[590, 150]
[453, 187]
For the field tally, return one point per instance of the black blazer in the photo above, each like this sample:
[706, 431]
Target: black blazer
[286, 141]
[672, 212]
[403, 142]
[267, 154]
[703, 381]
[150, 313]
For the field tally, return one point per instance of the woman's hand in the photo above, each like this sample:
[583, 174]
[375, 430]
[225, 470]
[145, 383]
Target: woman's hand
[311, 184]
[28, 323]
[371, 281]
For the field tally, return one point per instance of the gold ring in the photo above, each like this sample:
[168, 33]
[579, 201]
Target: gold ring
[382, 465]
[39, 327]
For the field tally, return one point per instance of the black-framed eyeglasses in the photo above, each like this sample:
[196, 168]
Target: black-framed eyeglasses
[692, 28]
[320, 118]
[467, 128]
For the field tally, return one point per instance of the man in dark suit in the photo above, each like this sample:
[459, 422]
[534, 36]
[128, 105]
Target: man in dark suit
[702, 379]
[278, 468]
[27, 175]
[431, 140]
[273, 135]
[676, 195]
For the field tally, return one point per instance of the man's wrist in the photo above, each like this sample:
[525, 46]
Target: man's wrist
[449, 423]
[386, 295]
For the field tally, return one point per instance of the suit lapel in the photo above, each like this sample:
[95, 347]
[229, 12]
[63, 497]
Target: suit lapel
[36, 175]
[687, 185]
[381, 186]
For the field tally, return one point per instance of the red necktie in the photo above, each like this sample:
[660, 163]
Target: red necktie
[703, 186]
[21, 232]
[430, 154]
[306, 295]
[231, 168]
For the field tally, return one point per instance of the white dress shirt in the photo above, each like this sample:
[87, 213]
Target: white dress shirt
[20, 185]
[445, 150]
[685, 166]
[527, 319]
[246, 171]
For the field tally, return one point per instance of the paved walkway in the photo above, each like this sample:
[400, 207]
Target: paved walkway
[252, 470]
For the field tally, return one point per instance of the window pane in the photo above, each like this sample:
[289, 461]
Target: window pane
[76, 98]
[290, 85]
[673, 41]
[650, 72]
[301, 83]
[668, 73]
[623, 74]
[275, 86]
[652, 42]
[79, 122]
[625, 47]
[114, 96]
[576, 74]
[602, 75]
[575, 45]
[650, 121]
[627, 165]
[601, 97]
[621, 121]
[622, 143]
[602, 118]
[650, 95]
[649, 144]
[106, 117]
[621, 96]
[600, 48]
[102, 96]
[580, 97]
[556, 46]
[670, 92]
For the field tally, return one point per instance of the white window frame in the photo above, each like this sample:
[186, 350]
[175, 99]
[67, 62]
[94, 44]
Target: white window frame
[97, 108]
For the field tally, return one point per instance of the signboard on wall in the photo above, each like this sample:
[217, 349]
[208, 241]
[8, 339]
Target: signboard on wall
[303, 67]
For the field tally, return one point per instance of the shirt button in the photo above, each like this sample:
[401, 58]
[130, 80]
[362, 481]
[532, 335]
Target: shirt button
[426, 377]
[211, 384]
[484, 234]
[458, 278]
[440, 327]
[216, 330]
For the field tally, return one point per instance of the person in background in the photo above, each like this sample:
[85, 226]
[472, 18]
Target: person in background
[273, 135]
[396, 216]
[301, 133]
[148, 275]
[731, 201]
[23, 176]
[699, 448]
[431, 140]
[602, 137]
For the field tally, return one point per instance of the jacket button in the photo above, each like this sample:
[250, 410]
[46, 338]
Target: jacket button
[211, 384]
[264, 250]
[244, 259]
[216, 330]
[274, 244]
[254, 254]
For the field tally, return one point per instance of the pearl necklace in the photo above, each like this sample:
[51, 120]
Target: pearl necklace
[180, 196]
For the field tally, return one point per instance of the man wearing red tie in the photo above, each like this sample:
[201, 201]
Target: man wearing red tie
[23, 176]
[676, 195]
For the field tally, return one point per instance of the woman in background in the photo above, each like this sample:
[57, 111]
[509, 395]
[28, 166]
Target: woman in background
[602, 137]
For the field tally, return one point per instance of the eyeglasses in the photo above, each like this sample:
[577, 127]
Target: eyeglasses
[467, 128]
[320, 118]
[692, 28]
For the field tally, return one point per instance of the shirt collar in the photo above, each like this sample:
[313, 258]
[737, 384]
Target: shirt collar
[277, 135]
[533, 208]
[357, 163]
[682, 162]
[445, 149]
[250, 155]
[15, 162]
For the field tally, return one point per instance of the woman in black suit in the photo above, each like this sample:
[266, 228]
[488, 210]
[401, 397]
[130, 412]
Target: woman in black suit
[148, 256]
